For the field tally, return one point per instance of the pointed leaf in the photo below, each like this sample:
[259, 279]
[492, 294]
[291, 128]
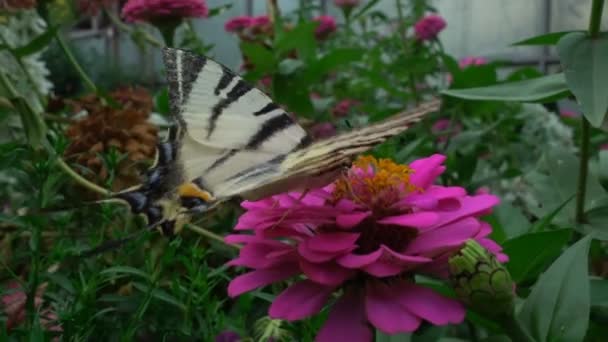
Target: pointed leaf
[584, 62]
[526, 260]
[544, 39]
[558, 307]
[533, 90]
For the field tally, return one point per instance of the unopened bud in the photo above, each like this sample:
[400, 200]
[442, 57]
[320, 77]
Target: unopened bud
[481, 281]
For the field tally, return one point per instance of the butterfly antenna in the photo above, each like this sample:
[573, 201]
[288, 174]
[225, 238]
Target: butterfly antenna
[114, 244]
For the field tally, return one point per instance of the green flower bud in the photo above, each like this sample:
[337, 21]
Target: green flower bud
[481, 281]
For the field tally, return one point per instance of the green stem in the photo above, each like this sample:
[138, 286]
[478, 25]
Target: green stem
[596, 17]
[582, 171]
[211, 235]
[66, 50]
[81, 180]
[401, 31]
[515, 331]
[594, 29]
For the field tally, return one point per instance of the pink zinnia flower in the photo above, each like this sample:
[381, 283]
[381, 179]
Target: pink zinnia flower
[566, 113]
[156, 10]
[323, 130]
[429, 27]
[13, 304]
[442, 129]
[327, 25]
[604, 147]
[471, 60]
[342, 108]
[362, 238]
[346, 3]
[238, 24]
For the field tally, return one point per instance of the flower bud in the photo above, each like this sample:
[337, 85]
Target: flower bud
[481, 281]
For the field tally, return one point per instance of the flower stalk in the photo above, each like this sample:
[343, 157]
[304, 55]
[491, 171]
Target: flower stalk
[594, 29]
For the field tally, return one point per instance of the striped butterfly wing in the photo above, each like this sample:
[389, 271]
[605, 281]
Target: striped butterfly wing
[225, 125]
[321, 162]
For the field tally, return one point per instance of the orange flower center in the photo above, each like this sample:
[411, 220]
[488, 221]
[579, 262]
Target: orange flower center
[375, 183]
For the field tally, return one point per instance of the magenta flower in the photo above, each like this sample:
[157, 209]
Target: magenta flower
[566, 113]
[323, 130]
[261, 20]
[429, 27]
[327, 25]
[604, 147]
[238, 24]
[444, 130]
[346, 3]
[362, 238]
[342, 108]
[471, 60]
[161, 10]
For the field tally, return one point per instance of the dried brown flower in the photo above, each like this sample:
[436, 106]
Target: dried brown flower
[125, 128]
[14, 5]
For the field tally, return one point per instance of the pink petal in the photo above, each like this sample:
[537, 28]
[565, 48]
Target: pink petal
[385, 313]
[351, 220]
[346, 320]
[442, 192]
[330, 274]
[426, 170]
[255, 255]
[392, 263]
[359, 260]
[332, 242]
[438, 240]
[420, 201]
[416, 220]
[259, 278]
[469, 206]
[493, 248]
[299, 301]
[428, 304]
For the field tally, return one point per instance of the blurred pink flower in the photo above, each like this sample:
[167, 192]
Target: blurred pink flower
[261, 20]
[442, 129]
[471, 60]
[160, 10]
[266, 81]
[604, 147]
[566, 113]
[323, 130]
[363, 238]
[429, 27]
[327, 25]
[237, 24]
[228, 336]
[346, 3]
[342, 108]
[13, 305]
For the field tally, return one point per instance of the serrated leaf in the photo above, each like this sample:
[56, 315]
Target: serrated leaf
[300, 38]
[529, 253]
[558, 306]
[584, 62]
[543, 39]
[533, 90]
[262, 58]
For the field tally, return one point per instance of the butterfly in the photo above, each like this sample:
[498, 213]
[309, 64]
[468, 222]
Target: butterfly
[231, 140]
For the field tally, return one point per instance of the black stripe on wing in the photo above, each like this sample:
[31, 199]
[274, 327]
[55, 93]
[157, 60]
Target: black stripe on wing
[240, 88]
[183, 68]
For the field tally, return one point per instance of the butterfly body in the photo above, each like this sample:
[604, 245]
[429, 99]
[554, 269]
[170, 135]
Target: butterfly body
[231, 140]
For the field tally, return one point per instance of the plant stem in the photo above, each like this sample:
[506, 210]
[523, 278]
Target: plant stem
[211, 235]
[66, 50]
[596, 17]
[401, 31]
[594, 29]
[81, 180]
[124, 27]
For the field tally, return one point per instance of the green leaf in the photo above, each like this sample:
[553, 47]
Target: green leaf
[382, 337]
[121, 271]
[544, 39]
[35, 128]
[534, 90]
[364, 9]
[585, 63]
[36, 44]
[512, 219]
[332, 61]
[260, 57]
[547, 219]
[159, 294]
[599, 292]
[218, 10]
[300, 38]
[526, 257]
[558, 307]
